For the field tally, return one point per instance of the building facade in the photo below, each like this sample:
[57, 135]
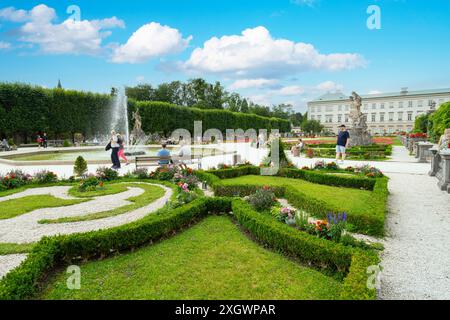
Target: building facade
[385, 113]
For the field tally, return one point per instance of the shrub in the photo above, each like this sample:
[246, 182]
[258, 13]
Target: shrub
[66, 144]
[141, 173]
[90, 184]
[262, 199]
[44, 177]
[14, 179]
[80, 168]
[107, 174]
[164, 173]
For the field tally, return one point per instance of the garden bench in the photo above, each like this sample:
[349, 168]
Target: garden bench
[151, 161]
[29, 145]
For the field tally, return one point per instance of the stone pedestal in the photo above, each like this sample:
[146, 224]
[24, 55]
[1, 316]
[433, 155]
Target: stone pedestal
[444, 182]
[360, 137]
[435, 160]
[424, 151]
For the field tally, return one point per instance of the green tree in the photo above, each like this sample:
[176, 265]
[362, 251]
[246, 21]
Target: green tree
[312, 126]
[80, 167]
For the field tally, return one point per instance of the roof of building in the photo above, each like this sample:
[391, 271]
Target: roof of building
[339, 96]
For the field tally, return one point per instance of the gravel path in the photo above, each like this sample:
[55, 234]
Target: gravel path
[9, 262]
[26, 229]
[416, 260]
[57, 192]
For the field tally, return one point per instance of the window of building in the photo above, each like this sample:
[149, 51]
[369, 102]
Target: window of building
[346, 118]
[391, 116]
[366, 106]
[339, 118]
[347, 107]
[382, 117]
[382, 106]
[340, 107]
[319, 109]
[329, 118]
[313, 109]
[400, 116]
[374, 106]
[374, 117]
[410, 116]
[391, 105]
[400, 104]
[319, 118]
[420, 103]
[410, 104]
[365, 117]
[430, 103]
[329, 109]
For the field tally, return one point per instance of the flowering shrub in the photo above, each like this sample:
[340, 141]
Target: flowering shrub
[370, 172]
[306, 168]
[319, 165]
[14, 179]
[332, 166]
[164, 173]
[286, 215]
[418, 135]
[185, 195]
[263, 199]
[310, 153]
[222, 166]
[43, 177]
[107, 174]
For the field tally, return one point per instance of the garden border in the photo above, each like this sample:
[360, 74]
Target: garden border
[25, 281]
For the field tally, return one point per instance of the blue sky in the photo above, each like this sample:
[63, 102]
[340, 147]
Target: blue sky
[292, 50]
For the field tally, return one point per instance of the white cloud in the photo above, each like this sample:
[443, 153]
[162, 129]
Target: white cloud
[150, 41]
[375, 92]
[13, 15]
[290, 91]
[140, 79]
[4, 45]
[256, 53]
[68, 37]
[330, 86]
[252, 83]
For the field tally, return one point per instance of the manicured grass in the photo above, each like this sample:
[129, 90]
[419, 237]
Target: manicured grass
[16, 207]
[151, 193]
[108, 189]
[352, 201]
[12, 248]
[212, 260]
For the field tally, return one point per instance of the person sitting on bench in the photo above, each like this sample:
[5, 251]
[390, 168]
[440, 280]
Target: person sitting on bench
[165, 154]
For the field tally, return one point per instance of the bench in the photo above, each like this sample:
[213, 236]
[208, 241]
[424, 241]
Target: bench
[55, 143]
[152, 161]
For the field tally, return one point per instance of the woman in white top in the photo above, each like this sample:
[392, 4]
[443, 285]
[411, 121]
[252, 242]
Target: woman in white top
[185, 154]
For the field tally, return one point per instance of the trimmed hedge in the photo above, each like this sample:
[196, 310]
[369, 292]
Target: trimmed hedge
[329, 179]
[165, 117]
[24, 282]
[323, 254]
[367, 224]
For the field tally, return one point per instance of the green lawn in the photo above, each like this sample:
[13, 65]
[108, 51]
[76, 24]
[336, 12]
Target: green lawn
[16, 207]
[151, 193]
[212, 260]
[352, 201]
[12, 248]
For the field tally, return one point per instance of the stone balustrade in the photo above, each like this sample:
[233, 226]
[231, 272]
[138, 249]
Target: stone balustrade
[440, 167]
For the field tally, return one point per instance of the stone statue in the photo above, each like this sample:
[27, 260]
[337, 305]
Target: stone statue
[137, 121]
[359, 136]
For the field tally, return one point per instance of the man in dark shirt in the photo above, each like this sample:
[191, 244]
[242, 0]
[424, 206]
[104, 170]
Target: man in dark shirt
[342, 143]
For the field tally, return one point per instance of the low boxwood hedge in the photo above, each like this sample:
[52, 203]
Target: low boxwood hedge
[25, 281]
[351, 263]
[363, 223]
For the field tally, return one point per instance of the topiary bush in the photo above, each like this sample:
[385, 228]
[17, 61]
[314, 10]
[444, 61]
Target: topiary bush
[80, 167]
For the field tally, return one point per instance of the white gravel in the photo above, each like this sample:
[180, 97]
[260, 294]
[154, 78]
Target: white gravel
[416, 260]
[26, 229]
[9, 262]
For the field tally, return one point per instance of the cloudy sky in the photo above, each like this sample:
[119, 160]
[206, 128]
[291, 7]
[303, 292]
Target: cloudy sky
[279, 51]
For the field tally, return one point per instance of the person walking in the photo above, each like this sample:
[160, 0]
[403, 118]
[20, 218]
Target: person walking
[121, 153]
[39, 141]
[115, 147]
[342, 144]
[45, 140]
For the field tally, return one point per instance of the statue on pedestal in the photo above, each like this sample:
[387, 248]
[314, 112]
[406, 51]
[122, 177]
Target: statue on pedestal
[359, 135]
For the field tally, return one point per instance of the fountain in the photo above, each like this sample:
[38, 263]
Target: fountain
[119, 111]
[137, 137]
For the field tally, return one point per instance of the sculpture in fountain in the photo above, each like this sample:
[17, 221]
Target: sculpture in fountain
[359, 135]
[137, 136]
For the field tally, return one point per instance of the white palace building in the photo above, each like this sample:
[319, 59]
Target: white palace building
[385, 113]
